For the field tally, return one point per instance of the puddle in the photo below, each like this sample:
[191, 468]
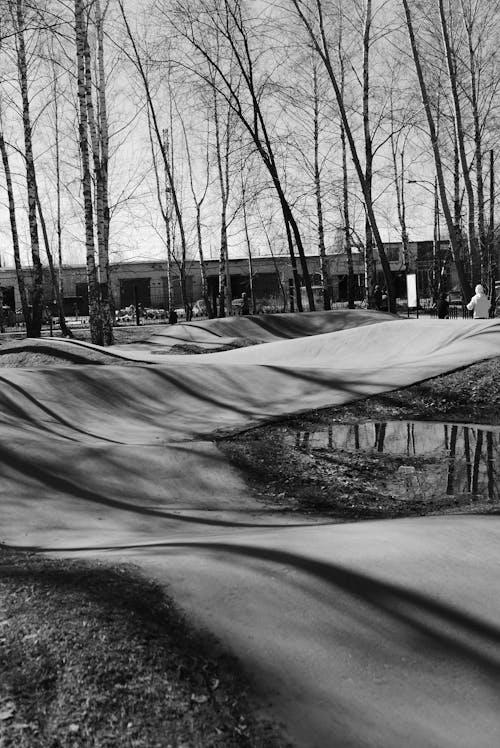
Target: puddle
[432, 460]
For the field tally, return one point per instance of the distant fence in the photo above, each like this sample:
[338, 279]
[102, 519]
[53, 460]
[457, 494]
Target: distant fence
[159, 315]
[455, 311]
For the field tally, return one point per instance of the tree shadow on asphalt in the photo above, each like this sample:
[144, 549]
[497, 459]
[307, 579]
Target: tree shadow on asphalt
[57, 418]
[223, 396]
[456, 632]
[27, 468]
[295, 325]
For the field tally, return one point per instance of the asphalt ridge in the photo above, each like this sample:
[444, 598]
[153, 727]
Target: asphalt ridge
[372, 634]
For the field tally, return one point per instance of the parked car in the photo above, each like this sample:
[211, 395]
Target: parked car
[126, 315]
[150, 313]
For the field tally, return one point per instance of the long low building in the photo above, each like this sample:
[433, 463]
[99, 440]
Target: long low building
[272, 278]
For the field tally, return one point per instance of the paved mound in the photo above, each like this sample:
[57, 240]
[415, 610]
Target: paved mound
[374, 634]
[183, 397]
[199, 336]
[38, 353]
[264, 328]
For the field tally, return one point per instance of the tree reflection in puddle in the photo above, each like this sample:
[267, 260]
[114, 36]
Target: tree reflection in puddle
[443, 459]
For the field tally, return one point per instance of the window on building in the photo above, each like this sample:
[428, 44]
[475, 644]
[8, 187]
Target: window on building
[266, 284]
[132, 287]
[392, 253]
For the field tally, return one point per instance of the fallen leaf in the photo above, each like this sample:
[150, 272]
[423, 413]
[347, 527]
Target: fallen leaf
[7, 710]
[201, 699]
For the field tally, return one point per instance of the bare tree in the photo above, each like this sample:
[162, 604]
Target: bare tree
[325, 280]
[451, 56]
[491, 234]
[57, 149]
[248, 242]
[65, 331]
[14, 233]
[95, 319]
[315, 26]
[452, 231]
[34, 320]
[345, 188]
[469, 19]
[398, 148]
[199, 199]
[370, 266]
[136, 58]
[99, 131]
[227, 23]
[165, 204]
[223, 140]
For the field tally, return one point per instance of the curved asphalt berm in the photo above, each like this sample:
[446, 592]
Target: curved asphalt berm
[367, 634]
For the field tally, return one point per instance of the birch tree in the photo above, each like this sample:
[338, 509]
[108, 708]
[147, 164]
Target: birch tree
[99, 131]
[34, 320]
[82, 55]
[57, 155]
[199, 198]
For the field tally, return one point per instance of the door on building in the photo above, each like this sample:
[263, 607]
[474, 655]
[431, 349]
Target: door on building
[82, 298]
[9, 298]
[129, 287]
[343, 290]
[239, 284]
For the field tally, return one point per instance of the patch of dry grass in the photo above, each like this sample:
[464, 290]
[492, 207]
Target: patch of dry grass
[93, 655]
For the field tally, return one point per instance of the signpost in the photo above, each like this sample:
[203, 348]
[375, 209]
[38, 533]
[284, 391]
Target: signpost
[411, 292]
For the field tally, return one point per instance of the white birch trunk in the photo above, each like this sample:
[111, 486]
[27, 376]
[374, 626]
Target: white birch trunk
[35, 320]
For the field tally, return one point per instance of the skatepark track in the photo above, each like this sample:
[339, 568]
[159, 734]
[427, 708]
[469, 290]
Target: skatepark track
[369, 634]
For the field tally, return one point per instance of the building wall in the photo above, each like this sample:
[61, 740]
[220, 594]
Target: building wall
[271, 278]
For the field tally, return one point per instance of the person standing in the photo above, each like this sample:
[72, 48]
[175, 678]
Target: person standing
[245, 306]
[479, 304]
[443, 307]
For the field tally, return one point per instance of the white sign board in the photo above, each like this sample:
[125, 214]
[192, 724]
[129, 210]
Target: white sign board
[411, 290]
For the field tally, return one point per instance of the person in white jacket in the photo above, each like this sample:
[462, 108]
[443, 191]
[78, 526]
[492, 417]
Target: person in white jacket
[479, 304]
